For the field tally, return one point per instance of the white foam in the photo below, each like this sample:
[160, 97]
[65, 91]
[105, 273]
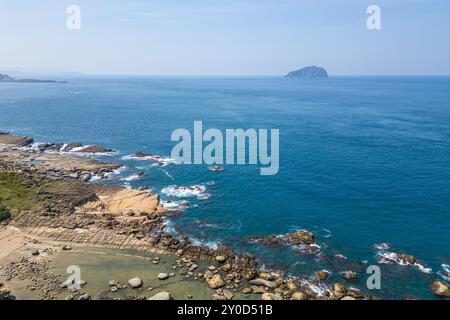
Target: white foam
[394, 258]
[340, 256]
[382, 246]
[133, 177]
[160, 161]
[168, 174]
[170, 228]
[445, 272]
[197, 190]
[175, 205]
[320, 289]
[203, 243]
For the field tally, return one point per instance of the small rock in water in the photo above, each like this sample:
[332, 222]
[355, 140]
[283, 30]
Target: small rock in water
[350, 275]
[67, 248]
[322, 275]
[161, 296]
[113, 283]
[216, 296]
[163, 276]
[85, 297]
[228, 294]
[135, 283]
[215, 282]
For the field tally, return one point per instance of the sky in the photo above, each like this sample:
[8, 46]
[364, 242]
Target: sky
[229, 37]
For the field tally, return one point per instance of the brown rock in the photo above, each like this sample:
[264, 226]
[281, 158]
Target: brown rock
[322, 275]
[215, 282]
[441, 289]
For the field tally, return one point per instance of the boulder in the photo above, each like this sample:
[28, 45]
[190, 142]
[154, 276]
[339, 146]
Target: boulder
[271, 296]
[85, 297]
[135, 283]
[441, 289]
[228, 294]
[163, 276]
[95, 149]
[350, 275]
[338, 291]
[141, 154]
[322, 275]
[299, 237]
[221, 259]
[263, 283]
[216, 296]
[161, 296]
[215, 282]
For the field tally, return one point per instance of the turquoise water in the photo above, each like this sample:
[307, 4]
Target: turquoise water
[362, 160]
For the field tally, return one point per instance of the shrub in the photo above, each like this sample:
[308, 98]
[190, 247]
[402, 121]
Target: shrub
[4, 213]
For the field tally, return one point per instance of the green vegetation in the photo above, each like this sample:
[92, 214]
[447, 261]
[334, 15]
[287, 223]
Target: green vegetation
[4, 213]
[17, 192]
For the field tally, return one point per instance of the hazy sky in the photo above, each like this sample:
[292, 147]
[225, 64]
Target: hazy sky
[229, 37]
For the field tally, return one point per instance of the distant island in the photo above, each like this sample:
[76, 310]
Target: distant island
[7, 78]
[312, 72]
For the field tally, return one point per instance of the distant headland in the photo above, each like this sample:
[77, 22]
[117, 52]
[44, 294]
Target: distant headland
[312, 72]
[7, 78]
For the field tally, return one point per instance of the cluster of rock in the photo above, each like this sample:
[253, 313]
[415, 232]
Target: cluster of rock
[303, 238]
[37, 272]
[55, 165]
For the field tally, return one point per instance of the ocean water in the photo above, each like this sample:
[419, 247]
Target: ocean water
[363, 160]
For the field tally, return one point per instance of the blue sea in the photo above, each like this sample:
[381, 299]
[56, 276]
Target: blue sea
[363, 160]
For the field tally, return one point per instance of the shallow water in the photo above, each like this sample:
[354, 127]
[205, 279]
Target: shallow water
[99, 266]
[363, 160]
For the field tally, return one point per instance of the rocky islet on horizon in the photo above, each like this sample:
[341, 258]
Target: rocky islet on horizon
[7, 78]
[312, 72]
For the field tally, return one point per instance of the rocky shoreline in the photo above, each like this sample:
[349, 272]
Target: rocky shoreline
[64, 210]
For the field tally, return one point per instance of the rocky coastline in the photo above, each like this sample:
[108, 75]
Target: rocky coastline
[56, 209]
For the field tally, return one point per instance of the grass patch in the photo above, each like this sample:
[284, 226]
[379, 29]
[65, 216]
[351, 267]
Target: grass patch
[18, 192]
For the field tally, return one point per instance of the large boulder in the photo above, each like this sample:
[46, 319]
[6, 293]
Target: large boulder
[441, 289]
[299, 237]
[215, 282]
[161, 296]
[263, 283]
[135, 283]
